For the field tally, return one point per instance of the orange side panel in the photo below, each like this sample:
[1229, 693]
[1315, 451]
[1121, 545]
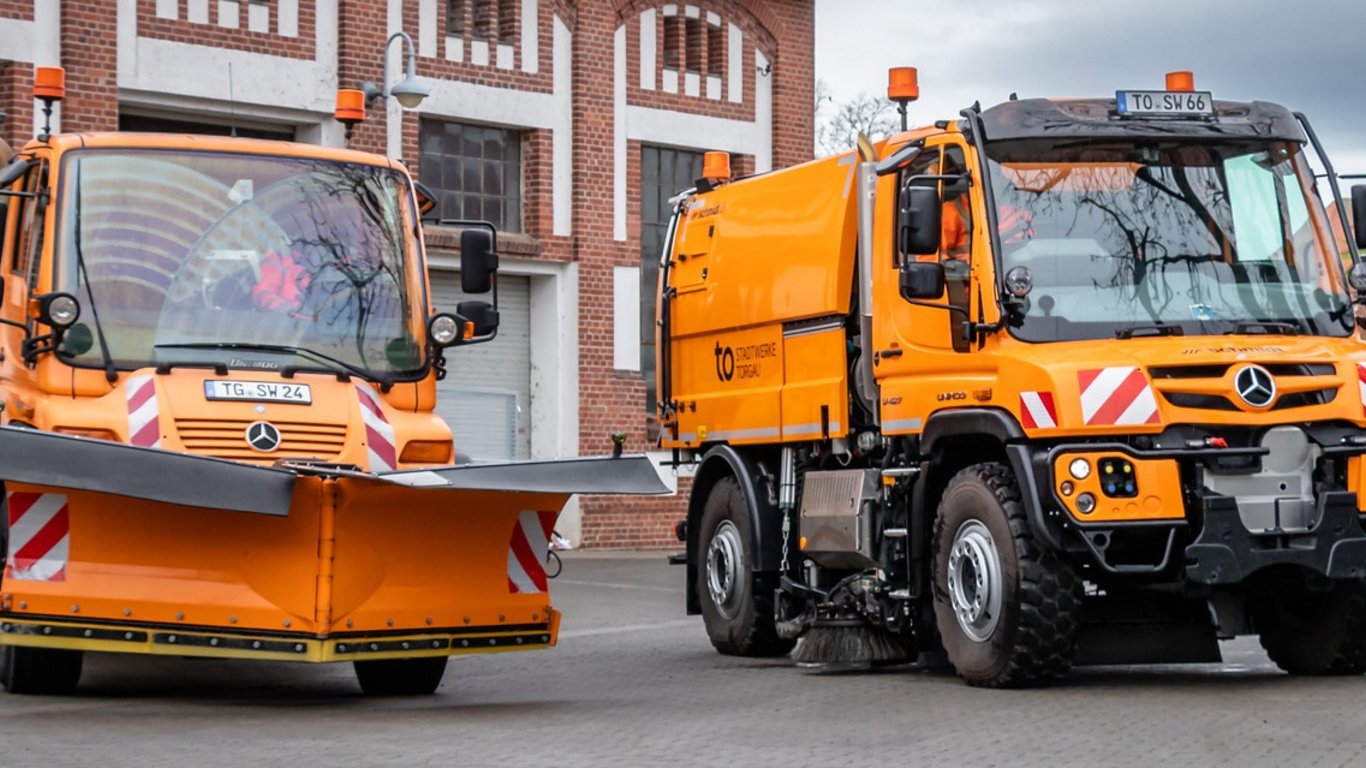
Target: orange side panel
[816, 388]
[730, 386]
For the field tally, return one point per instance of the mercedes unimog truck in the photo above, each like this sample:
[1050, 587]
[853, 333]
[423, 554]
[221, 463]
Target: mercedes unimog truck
[1056, 382]
[218, 366]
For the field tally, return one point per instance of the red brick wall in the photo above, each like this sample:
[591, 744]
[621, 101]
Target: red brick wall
[611, 401]
[182, 31]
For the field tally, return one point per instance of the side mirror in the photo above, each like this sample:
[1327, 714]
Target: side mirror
[1359, 213]
[478, 262]
[922, 280]
[918, 221]
[482, 314]
[426, 201]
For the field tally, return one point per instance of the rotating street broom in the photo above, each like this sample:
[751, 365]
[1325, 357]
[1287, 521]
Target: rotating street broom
[836, 635]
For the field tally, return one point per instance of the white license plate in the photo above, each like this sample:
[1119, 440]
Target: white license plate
[1170, 103]
[258, 391]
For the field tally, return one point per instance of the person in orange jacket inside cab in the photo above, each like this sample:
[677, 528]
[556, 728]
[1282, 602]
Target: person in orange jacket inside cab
[281, 285]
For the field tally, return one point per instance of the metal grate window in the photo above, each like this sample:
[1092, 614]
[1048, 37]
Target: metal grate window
[475, 171]
[663, 173]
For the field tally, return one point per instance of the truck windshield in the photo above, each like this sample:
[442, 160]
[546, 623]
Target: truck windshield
[1173, 237]
[233, 259]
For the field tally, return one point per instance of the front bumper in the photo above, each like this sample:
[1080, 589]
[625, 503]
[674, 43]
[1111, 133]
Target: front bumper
[1204, 527]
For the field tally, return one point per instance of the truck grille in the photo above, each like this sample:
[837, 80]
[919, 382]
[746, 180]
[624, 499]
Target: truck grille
[1207, 387]
[226, 439]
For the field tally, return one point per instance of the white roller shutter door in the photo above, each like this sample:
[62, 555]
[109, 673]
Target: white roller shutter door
[486, 395]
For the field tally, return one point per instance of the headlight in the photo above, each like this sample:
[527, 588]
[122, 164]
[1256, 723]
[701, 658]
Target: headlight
[1080, 469]
[444, 329]
[58, 310]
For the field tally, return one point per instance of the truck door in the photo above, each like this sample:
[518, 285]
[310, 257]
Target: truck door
[908, 325]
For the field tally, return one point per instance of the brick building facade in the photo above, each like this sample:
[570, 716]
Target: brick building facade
[569, 123]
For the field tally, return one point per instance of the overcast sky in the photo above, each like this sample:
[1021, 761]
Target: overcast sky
[1309, 55]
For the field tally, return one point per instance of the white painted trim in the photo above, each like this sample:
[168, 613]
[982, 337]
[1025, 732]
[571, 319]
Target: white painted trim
[455, 48]
[531, 36]
[735, 51]
[562, 140]
[197, 12]
[692, 11]
[763, 113]
[393, 56]
[287, 18]
[18, 37]
[626, 318]
[168, 9]
[459, 100]
[670, 80]
[504, 59]
[426, 28]
[479, 52]
[692, 84]
[258, 17]
[670, 10]
[677, 129]
[649, 50]
[619, 159]
[713, 19]
[229, 14]
[714, 87]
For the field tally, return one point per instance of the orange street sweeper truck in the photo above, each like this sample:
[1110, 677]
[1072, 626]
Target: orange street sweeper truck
[1056, 382]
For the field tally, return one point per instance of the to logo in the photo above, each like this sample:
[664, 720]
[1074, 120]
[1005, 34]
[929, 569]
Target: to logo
[263, 436]
[1255, 385]
[725, 363]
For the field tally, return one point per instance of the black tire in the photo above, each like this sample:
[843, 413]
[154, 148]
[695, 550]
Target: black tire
[1021, 632]
[40, 671]
[1308, 633]
[738, 609]
[401, 677]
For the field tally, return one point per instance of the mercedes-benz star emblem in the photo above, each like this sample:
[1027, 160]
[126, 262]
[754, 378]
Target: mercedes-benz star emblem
[1255, 385]
[263, 436]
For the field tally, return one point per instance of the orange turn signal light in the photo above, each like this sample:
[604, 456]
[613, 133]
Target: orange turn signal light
[716, 166]
[49, 83]
[903, 84]
[92, 433]
[1181, 80]
[469, 330]
[350, 106]
[426, 452]
[801, 543]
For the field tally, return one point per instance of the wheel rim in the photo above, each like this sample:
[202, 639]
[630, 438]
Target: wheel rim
[724, 564]
[975, 584]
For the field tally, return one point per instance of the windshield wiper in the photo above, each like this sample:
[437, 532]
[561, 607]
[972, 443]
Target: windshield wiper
[111, 374]
[1149, 330]
[1265, 327]
[347, 370]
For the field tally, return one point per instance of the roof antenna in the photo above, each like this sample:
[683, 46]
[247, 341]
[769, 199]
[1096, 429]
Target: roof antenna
[232, 106]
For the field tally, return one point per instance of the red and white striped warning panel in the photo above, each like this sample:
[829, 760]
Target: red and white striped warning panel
[1037, 410]
[39, 536]
[1361, 384]
[379, 433]
[144, 423]
[1116, 397]
[527, 551]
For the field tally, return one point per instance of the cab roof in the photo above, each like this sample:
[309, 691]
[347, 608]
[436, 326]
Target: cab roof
[1099, 118]
[64, 142]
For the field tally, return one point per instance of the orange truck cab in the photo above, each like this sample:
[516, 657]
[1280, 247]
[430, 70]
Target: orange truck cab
[1114, 413]
[218, 360]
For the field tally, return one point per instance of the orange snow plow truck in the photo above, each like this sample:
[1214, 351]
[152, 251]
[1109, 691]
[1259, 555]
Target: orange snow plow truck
[1058, 382]
[218, 364]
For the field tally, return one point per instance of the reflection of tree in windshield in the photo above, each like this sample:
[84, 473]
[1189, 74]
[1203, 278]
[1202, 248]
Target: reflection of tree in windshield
[193, 248]
[1167, 233]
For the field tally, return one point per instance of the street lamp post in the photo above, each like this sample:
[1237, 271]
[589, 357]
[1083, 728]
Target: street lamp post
[408, 92]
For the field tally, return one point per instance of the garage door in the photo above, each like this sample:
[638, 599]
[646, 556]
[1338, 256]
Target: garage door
[486, 395]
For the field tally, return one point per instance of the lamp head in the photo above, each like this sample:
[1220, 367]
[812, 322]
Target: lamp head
[410, 92]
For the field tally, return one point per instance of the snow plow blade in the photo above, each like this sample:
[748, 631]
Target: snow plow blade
[115, 548]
